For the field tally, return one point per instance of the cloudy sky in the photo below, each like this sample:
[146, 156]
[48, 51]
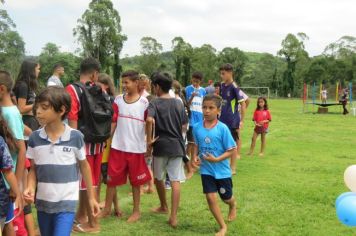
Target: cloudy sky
[251, 25]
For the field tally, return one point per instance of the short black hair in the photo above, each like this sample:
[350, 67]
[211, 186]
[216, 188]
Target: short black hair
[5, 79]
[197, 75]
[217, 84]
[226, 67]
[89, 65]
[57, 65]
[215, 98]
[163, 80]
[131, 74]
[56, 97]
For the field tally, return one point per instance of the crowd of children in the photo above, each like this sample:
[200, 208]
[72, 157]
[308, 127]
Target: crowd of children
[58, 144]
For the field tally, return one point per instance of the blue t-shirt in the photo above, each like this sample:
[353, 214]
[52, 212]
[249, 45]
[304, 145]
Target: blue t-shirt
[196, 112]
[230, 110]
[5, 164]
[215, 141]
[14, 121]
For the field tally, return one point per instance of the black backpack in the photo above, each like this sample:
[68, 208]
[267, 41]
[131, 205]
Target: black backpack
[95, 112]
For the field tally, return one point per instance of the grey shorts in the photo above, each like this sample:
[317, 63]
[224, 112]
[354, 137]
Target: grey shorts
[173, 166]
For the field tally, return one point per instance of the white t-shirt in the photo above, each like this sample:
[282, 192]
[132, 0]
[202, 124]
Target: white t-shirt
[130, 133]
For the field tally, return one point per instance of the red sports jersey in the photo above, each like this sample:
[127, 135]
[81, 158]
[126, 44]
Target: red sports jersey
[259, 116]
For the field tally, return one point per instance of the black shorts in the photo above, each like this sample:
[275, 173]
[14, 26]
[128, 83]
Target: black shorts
[222, 186]
[190, 137]
[234, 133]
[27, 209]
[104, 172]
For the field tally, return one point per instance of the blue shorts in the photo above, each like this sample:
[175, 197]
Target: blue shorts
[10, 213]
[222, 186]
[55, 224]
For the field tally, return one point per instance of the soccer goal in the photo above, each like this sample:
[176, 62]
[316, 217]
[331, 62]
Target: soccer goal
[256, 91]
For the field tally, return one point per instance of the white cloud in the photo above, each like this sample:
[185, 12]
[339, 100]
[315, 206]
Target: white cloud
[252, 25]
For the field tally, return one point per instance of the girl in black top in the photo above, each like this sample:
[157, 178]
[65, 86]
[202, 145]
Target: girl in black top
[25, 91]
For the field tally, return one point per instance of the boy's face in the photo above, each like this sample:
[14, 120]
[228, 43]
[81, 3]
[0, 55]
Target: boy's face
[210, 110]
[225, 76]
[217, 90]
[60, 71]
[45, 113]
[130, 86]
[196, 82]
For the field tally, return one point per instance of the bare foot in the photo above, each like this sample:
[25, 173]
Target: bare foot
[233, 172]
[118, 213]
[261, 154]
[134, 217]
[149, 191]
[160, 210]
[221, 232]
[249, 154]
[232, 213]
[189, 175]
[173, 222]
[104, 213]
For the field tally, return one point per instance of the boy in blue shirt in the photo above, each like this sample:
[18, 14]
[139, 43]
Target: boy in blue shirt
[213, 147]
[194, 97]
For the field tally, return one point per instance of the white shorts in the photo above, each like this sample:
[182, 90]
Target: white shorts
[171, 165]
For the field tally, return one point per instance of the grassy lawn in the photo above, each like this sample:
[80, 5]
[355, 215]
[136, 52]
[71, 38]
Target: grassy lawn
[291, 191]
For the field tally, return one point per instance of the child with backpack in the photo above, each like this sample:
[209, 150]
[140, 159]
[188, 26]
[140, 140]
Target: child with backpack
[57, 153]
[128, 144]
[90, 113]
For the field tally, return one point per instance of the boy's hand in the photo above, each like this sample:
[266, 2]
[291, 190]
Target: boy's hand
[19, 204]
[152, 141]
[29, 195]
[94, 207]
[210, 157]
[196, 162]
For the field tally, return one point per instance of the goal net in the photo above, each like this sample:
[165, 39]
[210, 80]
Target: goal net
[256, 91]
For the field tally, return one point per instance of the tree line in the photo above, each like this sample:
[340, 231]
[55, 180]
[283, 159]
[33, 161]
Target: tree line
[99, 33]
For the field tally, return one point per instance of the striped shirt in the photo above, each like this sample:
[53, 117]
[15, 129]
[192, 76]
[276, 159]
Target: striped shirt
[90, 148]
[54, 81]
[57, 169]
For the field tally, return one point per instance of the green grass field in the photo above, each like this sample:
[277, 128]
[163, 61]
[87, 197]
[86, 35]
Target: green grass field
[291, 191]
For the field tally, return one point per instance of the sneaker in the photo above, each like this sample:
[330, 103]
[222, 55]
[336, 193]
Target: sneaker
[167, 185]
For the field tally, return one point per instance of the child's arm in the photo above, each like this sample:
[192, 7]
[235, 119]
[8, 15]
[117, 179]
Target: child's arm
[196, 160]
[15, 192]
[85, 170]
[113, 128]
[225, 155]
[29, 192]
[21, 157]
[243, 110]
[27, 130]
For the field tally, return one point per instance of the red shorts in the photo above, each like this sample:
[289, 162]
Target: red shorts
[95, 169]
[122, 164]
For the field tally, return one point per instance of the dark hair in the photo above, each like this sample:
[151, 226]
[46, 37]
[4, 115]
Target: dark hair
[226, 67]
[215, 98]
[27, 74]
[56, 97]
[265, 107]
[197, 75]
[131, 74]
[89, 65]
[163, 80]
[6, 133]
[57, 66]
[5, 79]
[217, 84]
[107, 80]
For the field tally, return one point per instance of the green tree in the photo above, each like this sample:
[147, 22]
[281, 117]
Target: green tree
[182, 55]
[237, 58]
[293, 52]
[205, 60]
[52, 55]
[99, 32]
[150, 55]
[12, 46]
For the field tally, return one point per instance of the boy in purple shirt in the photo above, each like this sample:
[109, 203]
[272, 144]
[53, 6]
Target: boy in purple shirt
[230, 115]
